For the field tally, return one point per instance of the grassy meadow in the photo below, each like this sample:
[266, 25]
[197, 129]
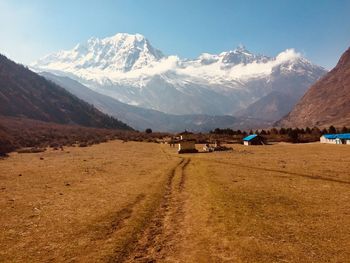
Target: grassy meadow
[143, 202]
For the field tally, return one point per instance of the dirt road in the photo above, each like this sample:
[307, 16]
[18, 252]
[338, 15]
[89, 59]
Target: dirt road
[141, 202]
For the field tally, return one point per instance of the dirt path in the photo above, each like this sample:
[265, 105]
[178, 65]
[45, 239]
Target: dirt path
[161, 238]
[107, 228]
[145, 203]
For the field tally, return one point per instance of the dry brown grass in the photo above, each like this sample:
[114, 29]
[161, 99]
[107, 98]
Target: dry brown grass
[139, 202]
[78, 204]
[282, 203]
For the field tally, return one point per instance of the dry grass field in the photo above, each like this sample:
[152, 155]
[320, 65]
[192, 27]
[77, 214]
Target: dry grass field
[142, 202]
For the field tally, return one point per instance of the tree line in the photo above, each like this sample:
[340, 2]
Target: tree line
[283, 131]
[293, 134]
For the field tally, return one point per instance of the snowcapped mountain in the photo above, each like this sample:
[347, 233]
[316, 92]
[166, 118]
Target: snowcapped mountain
[127, 68]
[122, 53]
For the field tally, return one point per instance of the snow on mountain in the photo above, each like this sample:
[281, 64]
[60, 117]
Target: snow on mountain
[127, 67]
[122, 52]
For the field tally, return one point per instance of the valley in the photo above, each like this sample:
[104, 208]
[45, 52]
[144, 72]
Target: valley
[147, 132]
[143, 202]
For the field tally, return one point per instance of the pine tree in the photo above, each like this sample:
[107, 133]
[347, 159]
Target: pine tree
[274, 131]
[293, 135]
[332, 129]
[344, 130]
[282, 131]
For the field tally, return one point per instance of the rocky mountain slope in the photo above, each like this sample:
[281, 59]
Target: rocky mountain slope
[127, 68]
[327, 102]
[24, 93]
[141, 118]
[271, 107]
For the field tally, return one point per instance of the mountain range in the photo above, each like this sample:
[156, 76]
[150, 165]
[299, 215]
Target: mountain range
[327, 102]
[141, 118]
[237, 84]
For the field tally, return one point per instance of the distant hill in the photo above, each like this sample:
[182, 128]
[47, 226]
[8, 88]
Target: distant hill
[18, 133]
[272, 107]
[327, 102]
[24, 93]
[287, 88]
[141, 118]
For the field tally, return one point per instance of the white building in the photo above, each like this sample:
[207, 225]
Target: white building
[187, 146]
[253, 139]
[343, 138]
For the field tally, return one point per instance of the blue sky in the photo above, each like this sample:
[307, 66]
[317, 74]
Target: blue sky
[319, 29]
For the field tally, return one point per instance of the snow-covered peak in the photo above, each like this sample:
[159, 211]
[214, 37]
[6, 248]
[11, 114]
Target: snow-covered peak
[241, 55]
[291, 61]
[241, 48]
[126, 37]
[122, 52]
[127, 58]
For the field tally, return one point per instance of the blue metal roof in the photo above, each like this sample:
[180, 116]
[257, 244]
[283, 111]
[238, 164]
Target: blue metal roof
[345, 136]
[250, 137]
[330, 136]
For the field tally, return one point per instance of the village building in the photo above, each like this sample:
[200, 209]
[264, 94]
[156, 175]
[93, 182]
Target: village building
[343, 138]
[187, 146]
[253, 139]
[208, 148]
[167, 139]
[215, 147]
[185, 135]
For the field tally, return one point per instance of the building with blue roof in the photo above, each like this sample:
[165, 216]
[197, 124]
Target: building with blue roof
[342, 138]
[253, 139]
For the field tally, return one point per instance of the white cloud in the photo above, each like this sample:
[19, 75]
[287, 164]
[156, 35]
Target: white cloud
[217, 70]
[214, 72]
[289, 54]
[256, 69]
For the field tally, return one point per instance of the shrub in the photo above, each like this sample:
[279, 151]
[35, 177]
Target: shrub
[293, 135]
[6, 144]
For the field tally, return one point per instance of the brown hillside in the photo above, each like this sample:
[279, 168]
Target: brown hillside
[17, 133]
[24, 93]
[327, 102]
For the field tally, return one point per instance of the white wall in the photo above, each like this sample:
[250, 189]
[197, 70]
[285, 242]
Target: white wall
[325, 140]
[331, 141]
[190, 145]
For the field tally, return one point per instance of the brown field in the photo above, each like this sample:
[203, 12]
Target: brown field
[142, 202]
